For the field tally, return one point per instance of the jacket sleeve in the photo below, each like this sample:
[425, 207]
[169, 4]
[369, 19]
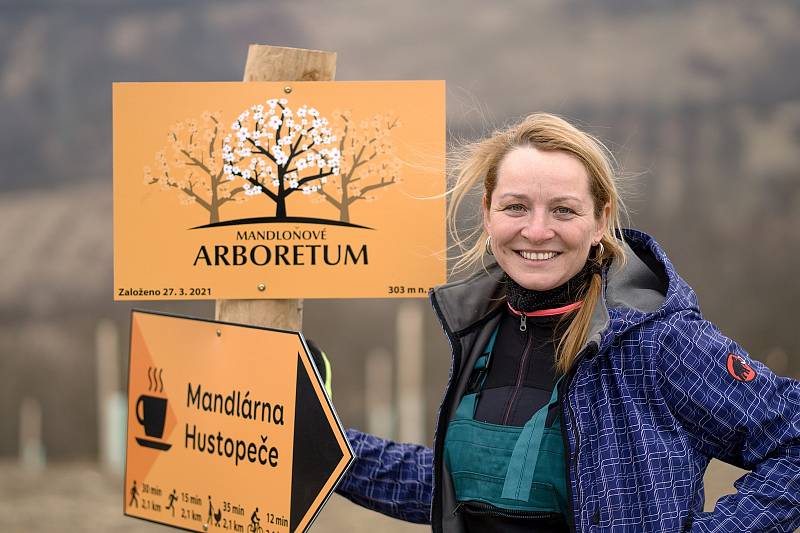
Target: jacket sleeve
[391, 478]
[736, 410]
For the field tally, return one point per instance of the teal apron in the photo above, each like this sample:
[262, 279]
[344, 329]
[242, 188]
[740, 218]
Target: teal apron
[517, 469]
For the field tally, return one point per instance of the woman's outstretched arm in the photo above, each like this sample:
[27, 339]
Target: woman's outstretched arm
[389, 477]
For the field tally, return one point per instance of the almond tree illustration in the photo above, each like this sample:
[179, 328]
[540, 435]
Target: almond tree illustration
[191, 165]
[367, 161]
[277, 151]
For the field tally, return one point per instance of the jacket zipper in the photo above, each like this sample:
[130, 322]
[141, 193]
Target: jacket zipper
[485, 509]
[438, 448]
[572, 461]
[520, 374]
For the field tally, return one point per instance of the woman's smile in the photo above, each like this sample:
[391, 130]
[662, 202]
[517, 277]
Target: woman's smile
[538, 257]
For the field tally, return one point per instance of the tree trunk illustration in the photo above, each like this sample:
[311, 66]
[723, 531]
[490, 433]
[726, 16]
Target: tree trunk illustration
[285, 151]
[344, 212]
[280, 207]
[368, 162]
[191, 165]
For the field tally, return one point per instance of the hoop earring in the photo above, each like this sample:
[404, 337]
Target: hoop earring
[600, 251]
[489, 245]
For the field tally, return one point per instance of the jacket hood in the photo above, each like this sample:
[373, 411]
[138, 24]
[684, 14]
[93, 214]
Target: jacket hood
[649, 282]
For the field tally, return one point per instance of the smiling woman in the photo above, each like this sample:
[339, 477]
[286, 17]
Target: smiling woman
[587, 392]
[548, 187]
[541, 217]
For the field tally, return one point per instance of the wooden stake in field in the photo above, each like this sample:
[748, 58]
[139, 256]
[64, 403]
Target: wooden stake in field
[275, 63]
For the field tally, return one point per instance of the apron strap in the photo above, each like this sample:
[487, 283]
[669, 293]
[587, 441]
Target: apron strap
[481, 367]
[466, 408]
[523, 461]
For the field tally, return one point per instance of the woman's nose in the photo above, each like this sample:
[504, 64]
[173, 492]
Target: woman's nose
[538, 228]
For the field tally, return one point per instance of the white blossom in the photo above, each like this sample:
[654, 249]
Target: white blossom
[302, 128]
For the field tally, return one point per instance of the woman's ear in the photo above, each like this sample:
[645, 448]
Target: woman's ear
[602, 222]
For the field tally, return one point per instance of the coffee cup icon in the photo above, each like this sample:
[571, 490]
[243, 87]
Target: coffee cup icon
[155, 411]
[151, 412]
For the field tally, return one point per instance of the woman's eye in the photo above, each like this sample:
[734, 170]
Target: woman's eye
[514, 208]
[564, 211]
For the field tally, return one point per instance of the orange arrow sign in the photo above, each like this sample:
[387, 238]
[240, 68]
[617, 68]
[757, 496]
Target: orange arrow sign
[229, 427]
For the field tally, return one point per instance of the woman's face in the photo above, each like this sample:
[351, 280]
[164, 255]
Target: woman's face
[541, 217]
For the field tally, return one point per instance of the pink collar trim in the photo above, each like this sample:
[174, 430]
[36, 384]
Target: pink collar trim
[549, 312]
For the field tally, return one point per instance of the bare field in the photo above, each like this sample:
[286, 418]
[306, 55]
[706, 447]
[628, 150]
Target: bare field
[79, 497]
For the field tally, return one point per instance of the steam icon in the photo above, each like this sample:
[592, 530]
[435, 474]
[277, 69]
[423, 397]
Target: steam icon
[151, 412]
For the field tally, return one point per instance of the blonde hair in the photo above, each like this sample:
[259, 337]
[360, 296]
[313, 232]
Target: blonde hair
[479, 161]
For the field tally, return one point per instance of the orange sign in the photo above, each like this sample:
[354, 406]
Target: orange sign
[229, 428]
[278, 190]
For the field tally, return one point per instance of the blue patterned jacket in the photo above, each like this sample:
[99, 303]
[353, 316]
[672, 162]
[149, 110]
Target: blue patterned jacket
[657, 392]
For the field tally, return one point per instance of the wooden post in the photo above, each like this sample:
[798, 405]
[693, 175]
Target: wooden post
[31, 449]
[410, 391]
[275, 63]
[378, 398]
[111, 404]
